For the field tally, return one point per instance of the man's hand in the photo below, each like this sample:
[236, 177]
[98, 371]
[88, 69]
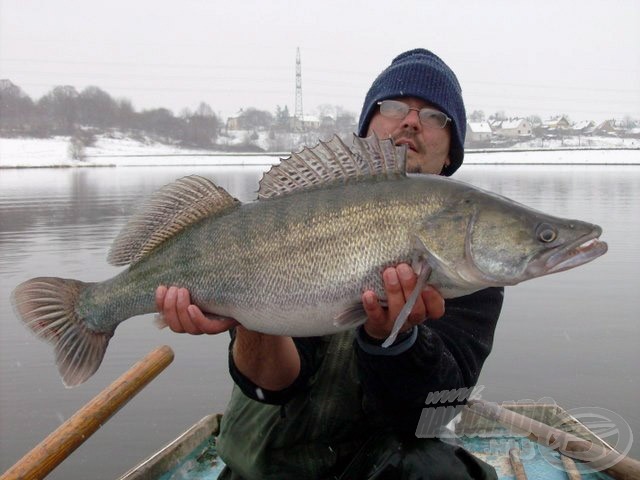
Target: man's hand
[399, 282]
[269, 361]
[183, 317]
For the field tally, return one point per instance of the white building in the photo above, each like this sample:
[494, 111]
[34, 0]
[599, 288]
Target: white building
[518, 127]
[478, 131]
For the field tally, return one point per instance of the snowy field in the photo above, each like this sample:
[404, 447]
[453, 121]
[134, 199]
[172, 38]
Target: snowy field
[626, 156]
[54, 152]
[109, 152]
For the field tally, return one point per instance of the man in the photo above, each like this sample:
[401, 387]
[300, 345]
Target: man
[342, 406]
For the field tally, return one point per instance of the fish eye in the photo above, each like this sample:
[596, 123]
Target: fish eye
[546, 233]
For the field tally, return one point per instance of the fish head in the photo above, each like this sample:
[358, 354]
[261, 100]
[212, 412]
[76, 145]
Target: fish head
[490, 240]
[509, 242]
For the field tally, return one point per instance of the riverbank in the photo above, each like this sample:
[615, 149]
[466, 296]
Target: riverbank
[111, 152]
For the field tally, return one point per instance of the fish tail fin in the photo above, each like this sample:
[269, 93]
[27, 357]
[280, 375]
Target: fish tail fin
[47, 305]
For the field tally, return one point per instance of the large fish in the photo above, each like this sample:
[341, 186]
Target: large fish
[327, 222]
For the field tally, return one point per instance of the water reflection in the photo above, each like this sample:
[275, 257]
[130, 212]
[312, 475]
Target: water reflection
[560, 189]
[47, 199]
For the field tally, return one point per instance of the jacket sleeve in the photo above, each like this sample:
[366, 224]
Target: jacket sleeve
[306, 349]
[446, 354]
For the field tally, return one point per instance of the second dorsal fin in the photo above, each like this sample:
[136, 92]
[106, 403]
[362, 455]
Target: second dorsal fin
[331, 162]
[168, 211]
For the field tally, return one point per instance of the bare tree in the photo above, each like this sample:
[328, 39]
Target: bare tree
[16, 109]
[60, 109]
[477, 116]
[201, 128]
[96, 108]
[254, 119]
[125, 114]
[161, 121]
[499, 115]
[282, 120]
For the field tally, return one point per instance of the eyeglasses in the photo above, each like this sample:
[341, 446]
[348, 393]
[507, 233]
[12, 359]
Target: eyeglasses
[398, 110]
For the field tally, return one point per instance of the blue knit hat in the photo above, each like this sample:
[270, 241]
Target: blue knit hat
[422, 74]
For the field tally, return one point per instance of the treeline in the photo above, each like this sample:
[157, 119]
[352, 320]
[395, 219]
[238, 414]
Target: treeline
[92, 111]
[65, 111]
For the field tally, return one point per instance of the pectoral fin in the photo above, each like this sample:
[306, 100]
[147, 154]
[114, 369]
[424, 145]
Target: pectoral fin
[351, 317]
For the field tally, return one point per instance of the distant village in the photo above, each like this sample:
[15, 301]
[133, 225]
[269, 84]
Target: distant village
[492, 133]
[510, 131]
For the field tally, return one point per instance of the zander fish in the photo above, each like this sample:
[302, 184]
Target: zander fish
[327, 222]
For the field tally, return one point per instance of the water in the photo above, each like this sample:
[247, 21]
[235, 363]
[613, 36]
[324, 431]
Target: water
[571, 337]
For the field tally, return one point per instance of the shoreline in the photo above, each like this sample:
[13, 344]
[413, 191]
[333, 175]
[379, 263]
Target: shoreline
[626, 156]
[55, 153]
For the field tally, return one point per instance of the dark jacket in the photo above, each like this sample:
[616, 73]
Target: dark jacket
[349, 388]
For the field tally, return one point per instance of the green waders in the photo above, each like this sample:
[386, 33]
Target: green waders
[324, 433]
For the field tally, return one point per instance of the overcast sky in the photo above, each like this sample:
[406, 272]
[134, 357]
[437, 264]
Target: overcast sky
[579, 57]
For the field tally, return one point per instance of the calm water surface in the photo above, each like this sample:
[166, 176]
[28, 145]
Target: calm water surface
[571, 337]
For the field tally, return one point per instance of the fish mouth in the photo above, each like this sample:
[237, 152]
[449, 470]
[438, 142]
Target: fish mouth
[580, 251]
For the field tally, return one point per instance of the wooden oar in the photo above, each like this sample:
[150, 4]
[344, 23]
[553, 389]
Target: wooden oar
[516, 464]
[570, 468]
[49, 453]
[599, 456]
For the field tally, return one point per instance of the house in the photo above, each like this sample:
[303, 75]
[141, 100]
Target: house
[560, 123]
[584, 127]
[309, 122]
[233, 123]
[479, 132]
[517, 127]
[608, 127]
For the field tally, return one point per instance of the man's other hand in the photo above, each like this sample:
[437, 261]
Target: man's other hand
[399, 282]
[174, 304]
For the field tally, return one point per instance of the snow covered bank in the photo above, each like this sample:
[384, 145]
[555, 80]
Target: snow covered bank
[54, 152]
[555, 157]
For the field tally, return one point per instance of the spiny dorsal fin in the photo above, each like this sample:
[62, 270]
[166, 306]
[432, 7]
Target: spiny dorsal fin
[168, 211]
[331, 162]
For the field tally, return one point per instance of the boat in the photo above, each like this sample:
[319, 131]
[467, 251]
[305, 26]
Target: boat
[514, 451]
[520, 440]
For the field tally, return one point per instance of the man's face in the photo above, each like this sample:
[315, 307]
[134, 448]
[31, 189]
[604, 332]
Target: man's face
[428, 147]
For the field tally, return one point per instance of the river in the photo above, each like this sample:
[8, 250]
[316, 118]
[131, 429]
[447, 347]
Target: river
[572, 337]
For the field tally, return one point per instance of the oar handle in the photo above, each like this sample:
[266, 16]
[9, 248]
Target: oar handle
[572, 446]
[49, 453]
